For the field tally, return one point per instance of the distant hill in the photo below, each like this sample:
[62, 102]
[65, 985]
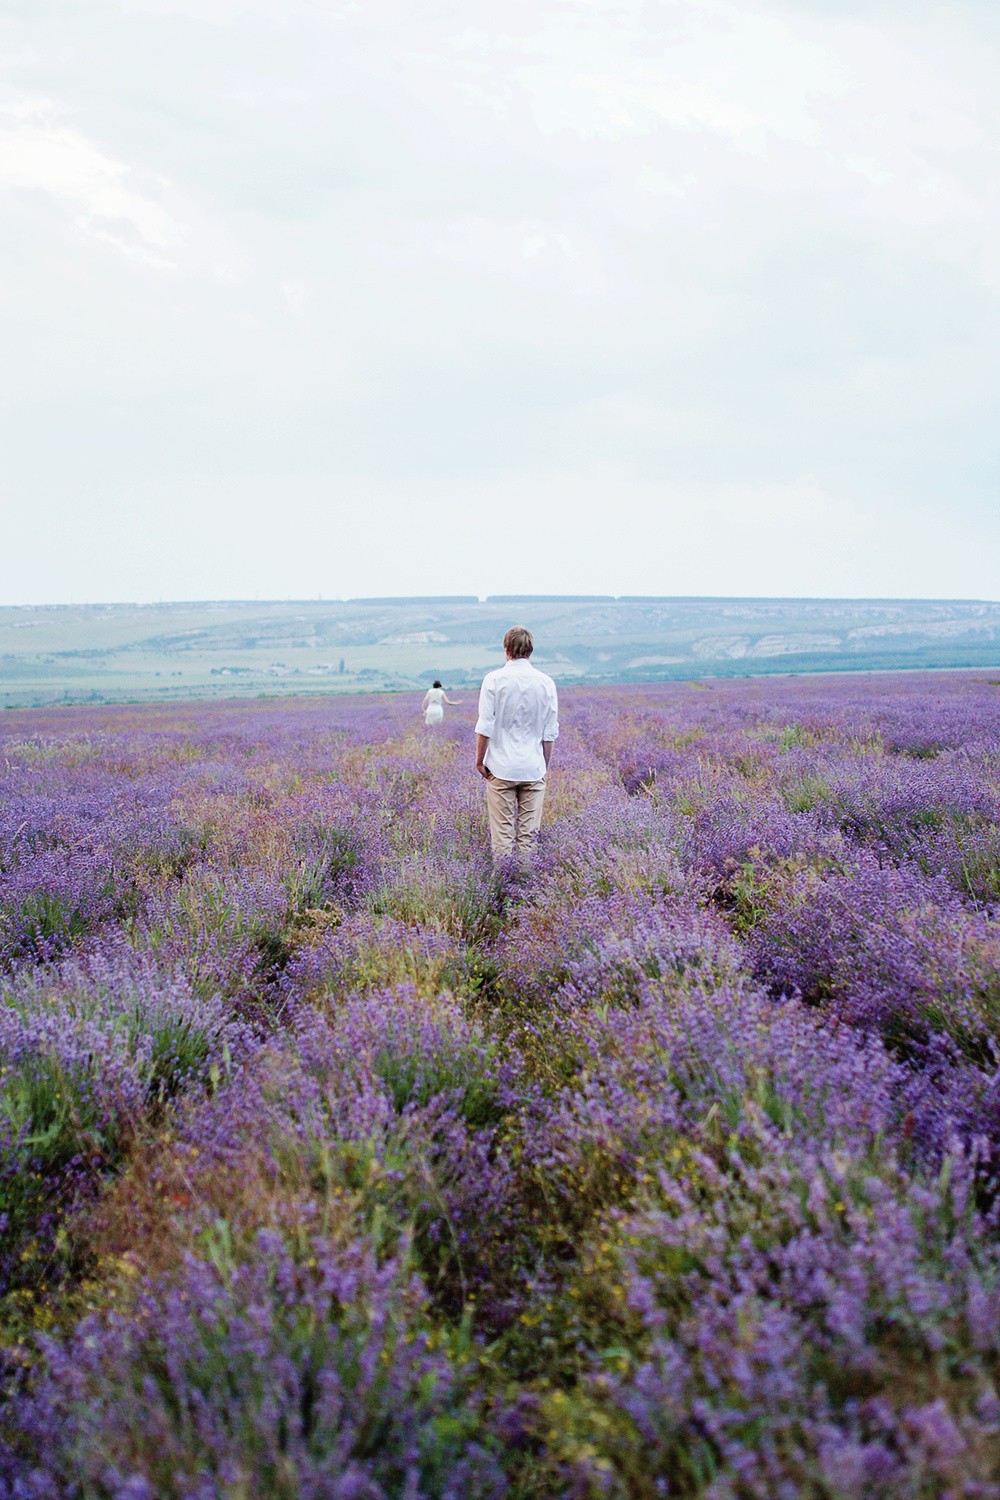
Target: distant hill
[115, 652]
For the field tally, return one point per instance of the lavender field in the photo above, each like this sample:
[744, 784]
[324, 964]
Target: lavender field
[338, 1165]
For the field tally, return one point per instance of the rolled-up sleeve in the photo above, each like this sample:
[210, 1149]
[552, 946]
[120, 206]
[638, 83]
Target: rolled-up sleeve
[487, 708]
[551, 729]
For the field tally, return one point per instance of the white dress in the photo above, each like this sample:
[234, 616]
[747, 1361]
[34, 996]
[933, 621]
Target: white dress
[434, 712]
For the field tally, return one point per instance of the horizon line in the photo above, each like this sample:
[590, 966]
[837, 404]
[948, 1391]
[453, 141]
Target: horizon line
[374, 600]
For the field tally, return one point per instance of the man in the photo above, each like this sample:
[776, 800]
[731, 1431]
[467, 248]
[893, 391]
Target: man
[517, 725]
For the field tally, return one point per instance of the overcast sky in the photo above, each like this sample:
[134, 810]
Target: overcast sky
[473, 296]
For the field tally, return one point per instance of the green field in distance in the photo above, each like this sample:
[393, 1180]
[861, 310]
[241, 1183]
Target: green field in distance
[136, 652]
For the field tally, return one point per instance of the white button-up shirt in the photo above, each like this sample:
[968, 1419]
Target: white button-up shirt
[518, 709]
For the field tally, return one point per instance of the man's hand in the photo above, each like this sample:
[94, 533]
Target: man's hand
[482, 745]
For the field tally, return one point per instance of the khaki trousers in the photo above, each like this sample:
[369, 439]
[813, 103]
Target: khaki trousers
[515, 809]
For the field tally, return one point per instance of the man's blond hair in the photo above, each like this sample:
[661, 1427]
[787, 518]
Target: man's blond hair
[518, 643]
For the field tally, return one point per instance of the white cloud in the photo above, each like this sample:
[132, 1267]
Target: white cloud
[39, 155]
[734, 69]
[706, 289]
[829, 103]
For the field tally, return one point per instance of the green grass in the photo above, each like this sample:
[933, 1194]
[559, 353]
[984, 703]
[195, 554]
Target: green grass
[163, 652]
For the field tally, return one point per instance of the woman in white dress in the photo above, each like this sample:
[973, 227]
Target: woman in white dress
[435, 699]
